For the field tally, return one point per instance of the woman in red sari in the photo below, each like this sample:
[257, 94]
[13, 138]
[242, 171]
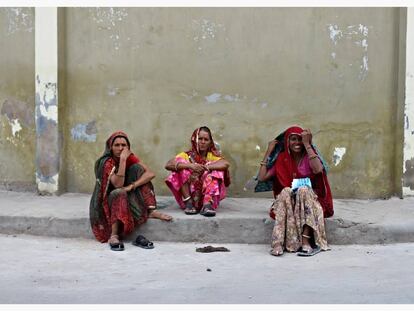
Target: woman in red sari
[302, 193]
[124, 195]
[199, 176]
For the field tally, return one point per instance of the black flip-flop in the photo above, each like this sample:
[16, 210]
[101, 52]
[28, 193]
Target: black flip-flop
[309, 253]
[117, 246]
[143, 242]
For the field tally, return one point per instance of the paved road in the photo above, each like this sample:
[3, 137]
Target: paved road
[51, 270]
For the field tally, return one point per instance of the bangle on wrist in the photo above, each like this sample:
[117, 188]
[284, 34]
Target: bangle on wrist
[263, 163]
[313, 157]
[176, 166]
[119, 175]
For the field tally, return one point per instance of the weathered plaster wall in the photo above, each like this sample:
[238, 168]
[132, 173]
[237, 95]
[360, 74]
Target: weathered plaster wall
[158, 73]
[17, 128]
[408, 169]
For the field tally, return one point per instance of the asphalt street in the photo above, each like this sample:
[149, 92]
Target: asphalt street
[58, 270]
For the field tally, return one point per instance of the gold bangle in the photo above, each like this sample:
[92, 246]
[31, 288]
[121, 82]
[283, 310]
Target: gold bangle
[263, 163]
[176, 166]
[119, 175]
[313, 157]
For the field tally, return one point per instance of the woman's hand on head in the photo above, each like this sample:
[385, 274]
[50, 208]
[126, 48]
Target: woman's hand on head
[306, 137]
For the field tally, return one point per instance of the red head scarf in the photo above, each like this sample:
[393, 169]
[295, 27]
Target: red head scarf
[132, 159]
[286, 168]
[194, 153]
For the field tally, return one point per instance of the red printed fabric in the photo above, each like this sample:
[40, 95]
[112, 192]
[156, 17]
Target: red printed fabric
[286, 170]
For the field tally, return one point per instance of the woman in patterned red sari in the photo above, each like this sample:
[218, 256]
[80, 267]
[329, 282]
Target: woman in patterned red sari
[301, 190]
[199, 176]
[124, 195]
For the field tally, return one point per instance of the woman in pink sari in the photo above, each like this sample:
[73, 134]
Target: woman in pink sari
[199, 176]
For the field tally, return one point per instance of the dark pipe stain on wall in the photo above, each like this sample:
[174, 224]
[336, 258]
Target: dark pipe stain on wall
[408, 176]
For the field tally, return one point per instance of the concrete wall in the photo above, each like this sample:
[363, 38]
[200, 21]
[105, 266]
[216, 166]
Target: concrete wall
[17, 89]
[247, 73]
[158, 73]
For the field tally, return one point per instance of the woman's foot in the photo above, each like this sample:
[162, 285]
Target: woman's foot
[189, 209]
[115, 244]
[208, 211]
[277, 251]
[158, 215]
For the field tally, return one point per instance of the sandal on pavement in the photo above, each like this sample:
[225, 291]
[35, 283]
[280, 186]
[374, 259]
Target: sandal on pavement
[116, 245]
[309, 252]
[208, 211]
[189, 208]
[143, 242]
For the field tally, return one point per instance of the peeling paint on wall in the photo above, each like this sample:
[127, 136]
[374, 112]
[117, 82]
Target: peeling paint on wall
[205, 30]
[358, 34]
[14, 109]
[47, 150]
[84, 132]
[16, 127]
[213, 98]
[108, 19]
[19, 19]
[338, 154]
[334, 33]
[46, 100]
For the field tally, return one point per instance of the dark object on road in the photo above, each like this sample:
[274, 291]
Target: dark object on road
[210, 249]
[143, 242]
[208, 269]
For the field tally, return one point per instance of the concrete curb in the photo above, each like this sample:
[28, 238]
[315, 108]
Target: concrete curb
[239, 220]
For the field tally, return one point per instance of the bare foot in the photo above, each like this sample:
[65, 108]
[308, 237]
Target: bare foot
[277, 251]
[158, 215]
[114, 239]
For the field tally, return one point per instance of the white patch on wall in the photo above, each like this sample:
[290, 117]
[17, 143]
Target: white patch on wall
[15, 126]
[50, 112]
[113, 91]
[108, 19]
[193, 94]
[213, 98]
[358, 34]
[205, 30]
[84, 132]
[334, 33]
[19, 19]
[338, 154]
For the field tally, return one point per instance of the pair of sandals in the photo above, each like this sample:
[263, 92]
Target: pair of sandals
[207, 210]
[303, 251]
[140, 241]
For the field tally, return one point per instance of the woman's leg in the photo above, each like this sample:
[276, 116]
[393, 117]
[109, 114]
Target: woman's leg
[122, 221]
[148, 195]
[309, 219]
[282, 204]
[179, 184]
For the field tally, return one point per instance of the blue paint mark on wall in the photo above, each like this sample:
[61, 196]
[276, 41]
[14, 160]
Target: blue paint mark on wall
[84, 132]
